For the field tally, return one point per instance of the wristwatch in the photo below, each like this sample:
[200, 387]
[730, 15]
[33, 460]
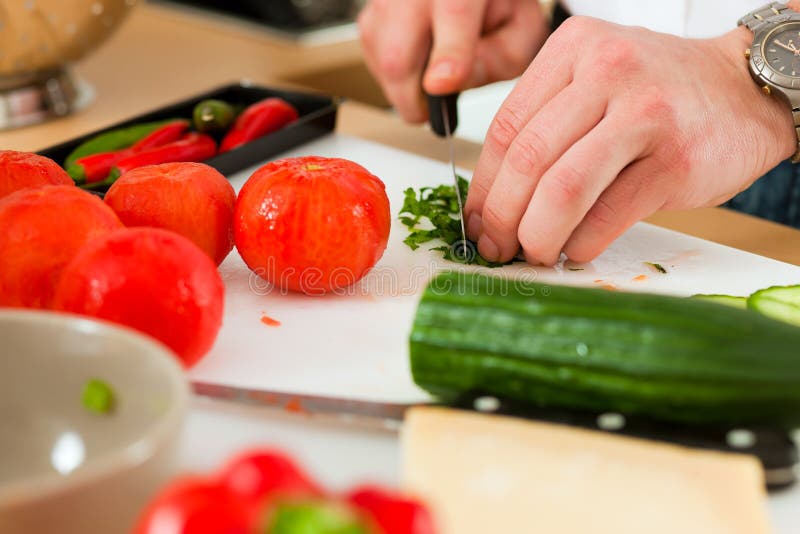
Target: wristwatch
[775, 56]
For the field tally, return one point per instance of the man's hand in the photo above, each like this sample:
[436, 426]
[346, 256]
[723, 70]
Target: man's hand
[610, 124]
[470, 43]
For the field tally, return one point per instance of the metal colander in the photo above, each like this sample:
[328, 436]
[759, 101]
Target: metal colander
[38, 40]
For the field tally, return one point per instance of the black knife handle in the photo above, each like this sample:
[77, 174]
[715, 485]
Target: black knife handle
[436, 110]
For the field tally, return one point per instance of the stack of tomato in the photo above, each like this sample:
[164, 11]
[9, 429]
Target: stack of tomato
[264, 492]
[147, 256]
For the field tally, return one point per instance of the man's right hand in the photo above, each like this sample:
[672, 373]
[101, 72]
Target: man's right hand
[470, 43]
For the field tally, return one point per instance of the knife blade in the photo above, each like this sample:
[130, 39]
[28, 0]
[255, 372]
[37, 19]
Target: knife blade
[773, 446]
[443, 111]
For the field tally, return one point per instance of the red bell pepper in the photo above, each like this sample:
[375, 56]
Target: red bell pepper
[393, 512]
[258, 120]
[191, 147]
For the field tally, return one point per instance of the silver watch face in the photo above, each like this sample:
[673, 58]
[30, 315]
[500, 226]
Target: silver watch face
[781, 50]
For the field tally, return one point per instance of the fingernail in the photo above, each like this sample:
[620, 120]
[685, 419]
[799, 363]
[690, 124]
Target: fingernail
[488, 249]
[474, 225]
[443, 70]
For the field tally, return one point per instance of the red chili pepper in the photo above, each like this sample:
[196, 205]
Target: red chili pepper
[258, 120]
[172, 131]
[393, 512]
[96, 167]
[191, 147]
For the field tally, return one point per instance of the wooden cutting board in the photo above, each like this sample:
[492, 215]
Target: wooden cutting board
[355, 345]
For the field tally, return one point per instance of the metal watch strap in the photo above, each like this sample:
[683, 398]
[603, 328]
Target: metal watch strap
[755, 19]
[758, 20]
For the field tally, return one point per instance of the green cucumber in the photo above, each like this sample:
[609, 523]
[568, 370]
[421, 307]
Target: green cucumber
[728, 300]
[668, 358]
[112, 140]
[779, 302]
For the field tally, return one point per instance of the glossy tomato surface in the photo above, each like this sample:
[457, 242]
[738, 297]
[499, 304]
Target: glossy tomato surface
[153, 280]
[192, 199]
[195, 505]
[392, 512]
[40, 231]
[22, 170]
[312, 224]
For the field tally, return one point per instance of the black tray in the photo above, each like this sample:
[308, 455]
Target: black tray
[317, 118]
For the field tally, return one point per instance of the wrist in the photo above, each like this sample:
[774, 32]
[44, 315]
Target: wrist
[774, 109]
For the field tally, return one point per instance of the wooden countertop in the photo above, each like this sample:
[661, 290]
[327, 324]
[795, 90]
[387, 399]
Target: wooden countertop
[162, 55]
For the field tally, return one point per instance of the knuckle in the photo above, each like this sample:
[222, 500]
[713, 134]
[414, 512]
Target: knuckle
[616, 58]
[568, 184]
[573, 27]
[394, 64]
[602, 216]
[505, 128]
[496, 222]
[532, 245]
[656, 106]
[526, 153]
[455, 8]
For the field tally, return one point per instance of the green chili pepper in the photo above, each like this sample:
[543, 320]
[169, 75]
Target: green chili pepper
[213, 116]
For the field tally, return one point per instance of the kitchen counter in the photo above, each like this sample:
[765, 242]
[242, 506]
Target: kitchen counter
[161, 55]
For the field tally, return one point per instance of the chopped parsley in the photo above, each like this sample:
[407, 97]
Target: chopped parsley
[98, 397]
[432, 214]
[656, 267]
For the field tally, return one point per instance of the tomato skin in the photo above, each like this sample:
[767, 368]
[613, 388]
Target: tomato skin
[42, 229]
[153, 280]
[312, 224]
[192, 199]
[392, 512]
[194, 505]
[256, 475]
[23, 170]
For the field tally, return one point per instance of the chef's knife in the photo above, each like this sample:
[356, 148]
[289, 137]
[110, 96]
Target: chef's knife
[774, 447]
[443, 113]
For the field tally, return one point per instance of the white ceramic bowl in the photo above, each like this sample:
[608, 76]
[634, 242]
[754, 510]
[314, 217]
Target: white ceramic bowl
[63, 468]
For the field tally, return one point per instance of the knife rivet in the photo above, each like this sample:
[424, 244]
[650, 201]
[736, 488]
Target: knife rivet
[611, 421]
[486, 404]
[740, 438]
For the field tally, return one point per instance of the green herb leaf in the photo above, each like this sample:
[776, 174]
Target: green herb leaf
[431, 214]
[656, 266]
[98, 397]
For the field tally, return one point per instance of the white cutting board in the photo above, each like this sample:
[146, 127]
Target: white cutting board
[355, 345]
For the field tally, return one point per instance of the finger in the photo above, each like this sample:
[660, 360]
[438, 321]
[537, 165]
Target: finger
[632, 197]
[563, 121]
[568, 190]
[505, 52]
[456, 29]
[396, 39]
[548, 74]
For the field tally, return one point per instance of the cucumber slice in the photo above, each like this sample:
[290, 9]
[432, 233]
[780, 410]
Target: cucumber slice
[728, 300]
[779, 302]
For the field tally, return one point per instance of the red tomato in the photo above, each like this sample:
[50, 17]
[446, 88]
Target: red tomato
[393, 512]
[312, 224]
[194, 505]
[192, 199]
[22, 170]
[257, 475]
[152, 280]
[40, 232]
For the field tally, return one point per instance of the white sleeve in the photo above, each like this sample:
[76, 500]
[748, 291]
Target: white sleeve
[685, 18]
